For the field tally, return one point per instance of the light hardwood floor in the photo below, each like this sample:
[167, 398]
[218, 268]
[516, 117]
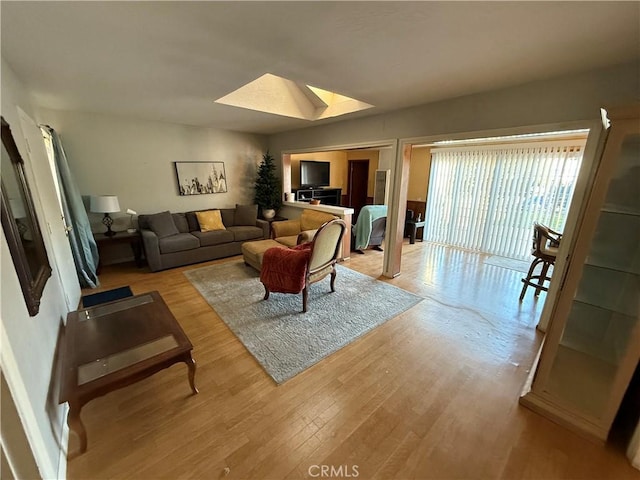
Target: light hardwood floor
[432, 393]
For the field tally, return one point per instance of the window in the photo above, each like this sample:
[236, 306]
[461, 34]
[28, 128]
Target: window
[486, 197]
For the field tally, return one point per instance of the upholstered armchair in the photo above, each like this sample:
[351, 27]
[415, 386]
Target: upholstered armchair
[293, 270]
[301, 230]
[370, 228]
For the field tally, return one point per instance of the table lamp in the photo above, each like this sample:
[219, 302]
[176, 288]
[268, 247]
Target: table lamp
[105, 204]
[131, 213]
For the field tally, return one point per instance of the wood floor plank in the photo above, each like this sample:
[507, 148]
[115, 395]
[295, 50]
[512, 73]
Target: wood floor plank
[432, 393]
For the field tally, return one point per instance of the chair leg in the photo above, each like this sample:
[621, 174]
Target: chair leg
[527, 279]
[524, 290]
[266, 292]
[536, 281]
[305, 295]
[333, 280]
[543, 277]
[412, 234]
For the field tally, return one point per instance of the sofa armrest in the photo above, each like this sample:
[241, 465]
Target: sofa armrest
[151, 249]
[306, 236]
[286, 228]
[264, 225]
[313, 219]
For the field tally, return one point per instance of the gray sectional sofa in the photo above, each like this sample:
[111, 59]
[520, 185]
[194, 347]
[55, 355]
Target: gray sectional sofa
[175, 239]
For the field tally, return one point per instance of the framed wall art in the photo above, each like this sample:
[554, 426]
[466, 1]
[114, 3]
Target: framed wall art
[198, 178]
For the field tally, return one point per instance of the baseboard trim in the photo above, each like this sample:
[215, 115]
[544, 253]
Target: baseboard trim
[563, 417]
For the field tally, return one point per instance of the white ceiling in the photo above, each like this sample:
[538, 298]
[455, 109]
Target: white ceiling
[168, 61]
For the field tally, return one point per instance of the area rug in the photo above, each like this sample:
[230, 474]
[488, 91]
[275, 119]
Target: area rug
[284, 340]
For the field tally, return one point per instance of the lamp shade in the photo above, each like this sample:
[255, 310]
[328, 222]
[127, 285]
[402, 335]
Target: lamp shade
[104, 204]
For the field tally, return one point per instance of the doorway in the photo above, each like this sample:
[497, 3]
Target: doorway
[357, 184]
[381, 156]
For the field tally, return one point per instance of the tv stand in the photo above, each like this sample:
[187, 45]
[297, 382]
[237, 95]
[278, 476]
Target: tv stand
[327, 196]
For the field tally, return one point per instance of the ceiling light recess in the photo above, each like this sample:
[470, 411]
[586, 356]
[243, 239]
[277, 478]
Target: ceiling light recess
[280, 96]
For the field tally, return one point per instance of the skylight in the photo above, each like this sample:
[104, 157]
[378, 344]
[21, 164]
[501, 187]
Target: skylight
[280, 96]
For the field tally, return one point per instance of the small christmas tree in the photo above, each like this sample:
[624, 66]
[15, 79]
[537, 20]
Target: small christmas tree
[268, 190]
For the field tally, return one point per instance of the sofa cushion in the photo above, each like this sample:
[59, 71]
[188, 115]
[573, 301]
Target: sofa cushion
[306, 236]
[162, 224]
[253, 252]
[246, 215]
[285, 228]
[313, 219]
[214, 237]
[210, 220]
[181, 222]
[243, 233]
[143, 222]
[289, 241]
[228, 216]
[192, 221]
[178, 243]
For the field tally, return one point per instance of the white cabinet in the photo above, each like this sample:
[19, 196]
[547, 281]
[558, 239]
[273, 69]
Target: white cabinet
[593, 344]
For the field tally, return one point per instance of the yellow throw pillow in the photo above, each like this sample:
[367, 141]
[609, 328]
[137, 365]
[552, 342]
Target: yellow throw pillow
[210, 220]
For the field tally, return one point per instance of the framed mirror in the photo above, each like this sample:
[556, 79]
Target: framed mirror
[20, 224]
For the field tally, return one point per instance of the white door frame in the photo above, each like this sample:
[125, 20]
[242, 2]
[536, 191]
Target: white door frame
[51, 214]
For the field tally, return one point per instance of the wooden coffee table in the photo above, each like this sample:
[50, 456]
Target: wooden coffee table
[115, 344]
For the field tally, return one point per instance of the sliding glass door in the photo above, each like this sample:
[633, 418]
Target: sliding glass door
[486, 198]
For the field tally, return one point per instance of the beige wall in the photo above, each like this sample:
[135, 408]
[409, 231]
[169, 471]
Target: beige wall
[133, 159]
[558, 103]
[419, 174]
[29, 343]
[373, 157]
[554, 101]
[107, 154]
[337, 159]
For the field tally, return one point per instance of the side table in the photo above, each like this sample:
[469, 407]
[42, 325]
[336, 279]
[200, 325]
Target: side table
[412, 228]
[133, 239]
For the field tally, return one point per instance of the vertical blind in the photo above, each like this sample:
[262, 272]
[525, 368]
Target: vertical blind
[486, 198]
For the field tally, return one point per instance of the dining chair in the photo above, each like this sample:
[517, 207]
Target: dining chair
[544, 250]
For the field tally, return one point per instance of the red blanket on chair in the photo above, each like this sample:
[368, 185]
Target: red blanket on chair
[283, 269]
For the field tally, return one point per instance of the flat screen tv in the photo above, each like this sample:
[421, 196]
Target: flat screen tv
[314, 174]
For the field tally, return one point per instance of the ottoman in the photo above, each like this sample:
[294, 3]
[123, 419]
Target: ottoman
[252, 252]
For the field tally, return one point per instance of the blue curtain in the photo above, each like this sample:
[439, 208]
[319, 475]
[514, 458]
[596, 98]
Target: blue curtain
[83, 245]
